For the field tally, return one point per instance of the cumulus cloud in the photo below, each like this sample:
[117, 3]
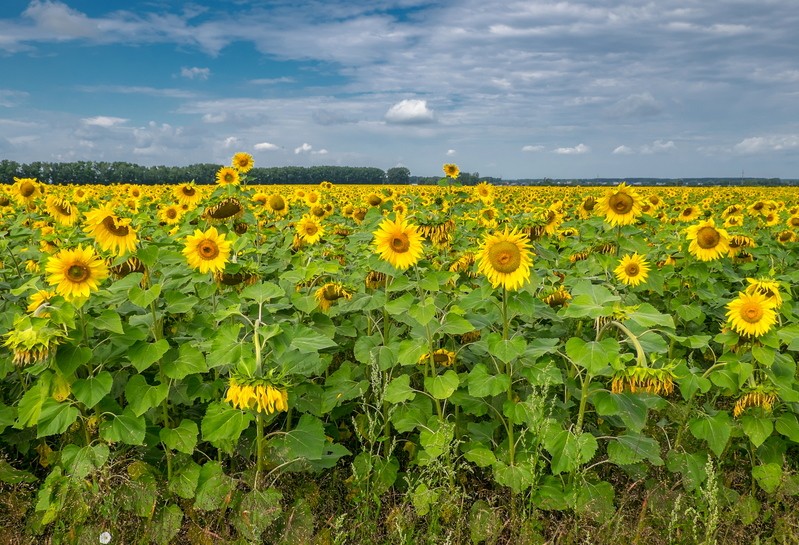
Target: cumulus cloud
[410, 111]
[195, 72]
[214, 117]
[451, 152]
[230, 142]
[658, 146]
[579, 149]
[265, 146]
[103, 121]
[533, 148]
[636, 105]
[305, 148]
[763, 144]
[623, 150]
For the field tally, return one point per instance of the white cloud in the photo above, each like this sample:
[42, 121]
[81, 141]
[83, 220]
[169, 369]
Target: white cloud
[451, 152]
[10, 98]
[103, 121]
[230, 142]
[579, 149]
[214, 118]
[271, 81]
[195, 72]
[623, 150]
[265, 146]
[636, 105]
[533, 148]
[658, 146]
[320, 152]
[305, 148]
[764, 144]
[410, 111]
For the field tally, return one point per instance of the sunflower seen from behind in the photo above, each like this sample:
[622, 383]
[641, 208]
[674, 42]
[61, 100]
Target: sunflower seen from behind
[751, 314]
[398, 242]
[505, 259]
[632, 270]
[76, 273]
[707, 242]
[620, 205]
[207, 251]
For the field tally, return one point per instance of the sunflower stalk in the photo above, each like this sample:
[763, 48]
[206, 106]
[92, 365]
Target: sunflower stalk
[639, 350]
[259, 418]
[509, 370]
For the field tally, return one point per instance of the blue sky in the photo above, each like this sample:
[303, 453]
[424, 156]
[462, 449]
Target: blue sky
[513, 89]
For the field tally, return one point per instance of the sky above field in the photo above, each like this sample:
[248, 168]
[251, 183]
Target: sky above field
[511, 89]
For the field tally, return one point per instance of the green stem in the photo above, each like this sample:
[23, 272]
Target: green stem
[259, 447]
[583, 402]
[639, 350]
[508, 368]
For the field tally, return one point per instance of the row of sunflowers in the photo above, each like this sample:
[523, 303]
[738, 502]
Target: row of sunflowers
[553, 340]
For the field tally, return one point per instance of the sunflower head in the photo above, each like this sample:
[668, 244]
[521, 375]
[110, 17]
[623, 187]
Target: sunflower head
[76, 273]
[207, 251]
[441, 357]
[261, 395]
[398, 242]
[759, 396]
[505, 259]
[751, 314]
[227, 209]
[707, 242]
[243, 162]
[658, 381]
[32, 339]
[330, 293]
[620, 206]
[558, 298]
[310, 229]
[451, 171]
[632, 269]
[227, 176]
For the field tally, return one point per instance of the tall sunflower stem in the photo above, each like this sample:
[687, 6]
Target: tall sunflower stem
[259, 447]
[508, 368]
[578, 427]
[639, 350]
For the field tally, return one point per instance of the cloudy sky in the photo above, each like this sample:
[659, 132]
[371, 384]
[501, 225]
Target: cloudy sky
[513, 89]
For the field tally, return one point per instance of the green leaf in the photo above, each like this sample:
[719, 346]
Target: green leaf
[92, 390]
[142, 397]
[308, 341]
[184, 480]
[594, 356]
[262, 292]
[436, 437]
[306, 440]
[713, 429]
[632, 448]
[423, 311]
[442, 386]
[517, 477]
[109, 321]
[648, 316]
[55, 418]
[30, 405]
[768, 476]
[764, 355]
[422, 497]
[69, 358]
[400, 305]
[190, 361]
[340, 387]
[143, 354]
[483, 384]
[455, 324]
[691, 466]
[480, 456]
[178, 302]
[81, 461]
[399, 390]
[257, 511]
[412, 414]
[125, 428]
[13, 476]
[143, 298]
[589, 301]
[213, 487]
[166, 524]
[507, 350]
[223, 423]
[788, 426]
[757, 429]
[183, 438]
[569, 451]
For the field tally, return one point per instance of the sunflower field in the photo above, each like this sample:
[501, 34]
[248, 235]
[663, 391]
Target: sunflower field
[397, 364]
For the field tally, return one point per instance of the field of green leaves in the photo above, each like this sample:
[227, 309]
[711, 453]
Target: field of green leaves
[397, 364]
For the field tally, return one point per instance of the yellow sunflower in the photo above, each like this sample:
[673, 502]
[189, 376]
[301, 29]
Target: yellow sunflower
[256, 394]
[227, 176]
[39, 301]
[620, 206]
[707, 241]
[187, 194]
[310, 229]
[112, 233]
[751, 314]
[243, 162]
[632, 270]
[277, 204]
[207, 251]
[766, 287]
[26, 190]
[398, 242]
[442, 356]
[62, 211]
[330, 293]
[76, 273]
[505, 259]
[451, 171]
[170, 214]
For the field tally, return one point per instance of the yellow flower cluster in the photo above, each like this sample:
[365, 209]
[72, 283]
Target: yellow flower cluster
[261, 397]
[755, 398]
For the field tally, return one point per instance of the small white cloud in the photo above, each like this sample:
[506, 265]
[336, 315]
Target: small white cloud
[305, 148]
[322, 151]
[103, 121]
[451, 152]
[230, 142]
[764, 144]
[532, 148]
[623, 150]
[410, 111]
[265, 146]
[215, 118]
[637, 105]
[576, 150]
[271, 81]
[195, 72]
[658, 146]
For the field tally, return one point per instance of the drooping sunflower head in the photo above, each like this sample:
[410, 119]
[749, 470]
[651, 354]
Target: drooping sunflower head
[76, 273]
[257, 394]
[227, 176]
[632, 269]
[310, 229]
[398, 242]
[243, 162]
[330, 293]
[707, 242]
[751, 314]
[227, 209]
[505, 259]
[766, 287]
[759, 396]
[62, 211]
[620, 206]
[32, 339]
[558, 298]
[653, 380]
[441, 357]
[451, 170]
[207, 251]
[39, 301]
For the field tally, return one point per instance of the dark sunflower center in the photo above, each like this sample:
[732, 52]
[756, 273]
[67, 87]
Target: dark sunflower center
[440, 358]
[751, 312]
[589, 204]
[794, 222]
[621, 203]
[632, 269]
[189, 191]
[331, 293]
[310, 229]
[78, 272]
[276, 202]
[400, 243]
[229, 177]
[171, 213]
[63, 208]
[208, 249]
[115, 229]
[687, 211]
[551, 217]
[374, 200]
[505, 257]
[707, 238]
[27, 189]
